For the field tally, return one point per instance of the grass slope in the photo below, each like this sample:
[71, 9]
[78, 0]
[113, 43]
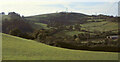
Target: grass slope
[15, 48]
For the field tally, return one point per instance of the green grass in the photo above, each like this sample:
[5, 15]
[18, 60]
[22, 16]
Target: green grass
[72, 33]
[90, 20]
[101, 26]
[15, 48]
[91, 24]
[40, 25]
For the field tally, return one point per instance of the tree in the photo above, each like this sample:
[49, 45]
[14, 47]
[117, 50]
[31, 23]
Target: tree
[75, 36]
[16, 21]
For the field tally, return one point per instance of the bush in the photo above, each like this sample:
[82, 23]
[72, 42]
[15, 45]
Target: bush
[15, 32]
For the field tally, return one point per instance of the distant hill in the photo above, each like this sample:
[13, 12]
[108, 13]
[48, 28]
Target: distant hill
[15, 48]
[62, 18]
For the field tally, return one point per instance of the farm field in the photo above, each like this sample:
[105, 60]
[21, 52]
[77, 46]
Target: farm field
[40, 26]
[101, 26]
[15, 48]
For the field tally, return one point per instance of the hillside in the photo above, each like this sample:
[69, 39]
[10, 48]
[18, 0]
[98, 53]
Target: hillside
[15, 48]
[96, 22]
[43, 16]
[92, 26]
[63, 18]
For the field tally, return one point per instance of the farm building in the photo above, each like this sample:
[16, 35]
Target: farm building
[112, 37]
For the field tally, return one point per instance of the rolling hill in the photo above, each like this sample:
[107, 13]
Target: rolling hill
[15, 48]
[62, 17]
[88, 22]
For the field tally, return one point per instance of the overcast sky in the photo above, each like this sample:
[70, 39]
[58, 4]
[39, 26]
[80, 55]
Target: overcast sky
[35, 7]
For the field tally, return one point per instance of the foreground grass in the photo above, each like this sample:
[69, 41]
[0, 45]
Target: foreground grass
[15, 48]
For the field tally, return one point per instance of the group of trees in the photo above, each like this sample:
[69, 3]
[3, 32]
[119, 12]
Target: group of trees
[16, 25]
[76, 27]
[104, 18]
[19, 33]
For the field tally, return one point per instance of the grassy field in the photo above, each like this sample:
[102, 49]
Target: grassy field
[15, 48]
[40, 25]
[101, 26]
